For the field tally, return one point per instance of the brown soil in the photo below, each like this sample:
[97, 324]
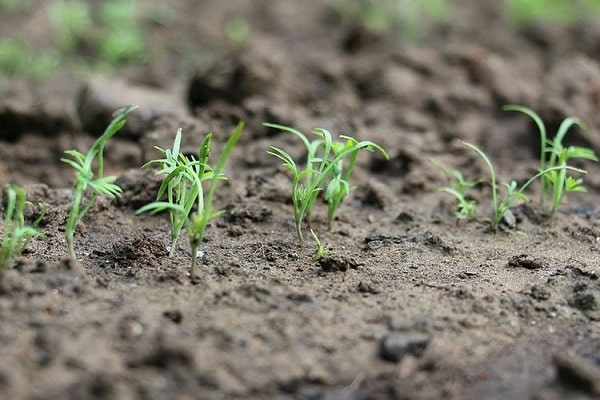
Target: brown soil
[407, 304]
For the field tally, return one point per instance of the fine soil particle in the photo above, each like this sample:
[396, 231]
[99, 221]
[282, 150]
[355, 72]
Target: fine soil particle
[407, 302]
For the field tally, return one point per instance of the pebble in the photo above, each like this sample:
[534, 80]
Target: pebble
[397, 345]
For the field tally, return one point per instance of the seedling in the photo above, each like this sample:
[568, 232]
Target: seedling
[183, 187]
[329, 167]
[459, 188]
[559, 180]
[321, 250]
[15, 234]
[465, 208]
[86, 178]
[514, 192]
[556, 181]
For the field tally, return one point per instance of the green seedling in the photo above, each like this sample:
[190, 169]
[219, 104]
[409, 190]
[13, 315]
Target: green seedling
[183, 188]
[459, 188]
[15, 234]
[86, 178]
[465, 208]
[329, 167]
[556, 183]
[514, 192]
[321, 250]
[177, 185]
[559, 180]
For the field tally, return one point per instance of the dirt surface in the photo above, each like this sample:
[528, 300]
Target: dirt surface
[406, 305]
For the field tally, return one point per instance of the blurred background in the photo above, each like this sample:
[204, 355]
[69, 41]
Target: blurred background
[39, 39]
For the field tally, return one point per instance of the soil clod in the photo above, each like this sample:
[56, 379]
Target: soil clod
[526, 261]
[397, 345]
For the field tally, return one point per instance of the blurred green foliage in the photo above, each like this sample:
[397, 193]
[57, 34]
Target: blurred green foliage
[237, 30]
[14, 5]
[410, 18]
[527, 12]
[84, 35]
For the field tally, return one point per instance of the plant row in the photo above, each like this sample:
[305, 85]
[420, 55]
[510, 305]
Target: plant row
[189, 183]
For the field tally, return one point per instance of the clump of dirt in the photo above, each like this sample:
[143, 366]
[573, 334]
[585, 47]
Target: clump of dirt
[406, 303]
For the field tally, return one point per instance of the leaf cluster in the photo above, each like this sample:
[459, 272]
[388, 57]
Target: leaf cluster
[554, 173]
[513, 191]
[557, 182]
[88, 179]
[16, 235]
[328, 169]
[460, 187]
[182, 189]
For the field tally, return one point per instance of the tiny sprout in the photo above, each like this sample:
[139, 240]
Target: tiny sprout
[321, 251]
[85, 176]
[15, 234]
[514, 193]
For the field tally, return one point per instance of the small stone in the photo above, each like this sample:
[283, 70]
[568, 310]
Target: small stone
[397, 345]
[337, 263]
[509, 219]
[368, 288]
[174, 315]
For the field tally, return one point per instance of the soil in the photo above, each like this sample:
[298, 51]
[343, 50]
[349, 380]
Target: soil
[406, 304]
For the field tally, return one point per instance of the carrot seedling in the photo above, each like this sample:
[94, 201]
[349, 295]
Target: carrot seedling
[86, 178]
[556, 182]
[321, 250]
[514, 192]
[459, 188]
[183, 188]
[15, 234]
[328, 169]
[560, 182]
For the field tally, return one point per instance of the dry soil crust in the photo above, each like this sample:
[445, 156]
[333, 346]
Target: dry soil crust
[406, 305]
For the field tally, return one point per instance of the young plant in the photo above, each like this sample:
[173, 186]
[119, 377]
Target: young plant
[459, 188]
[86, 178]
[183, 187]
[329, 167]
[514, 192]
[15, 234]
[321, 250]
[559, 180]
[556, 182]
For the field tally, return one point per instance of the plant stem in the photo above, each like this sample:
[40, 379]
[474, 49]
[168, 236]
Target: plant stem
[72, 221]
